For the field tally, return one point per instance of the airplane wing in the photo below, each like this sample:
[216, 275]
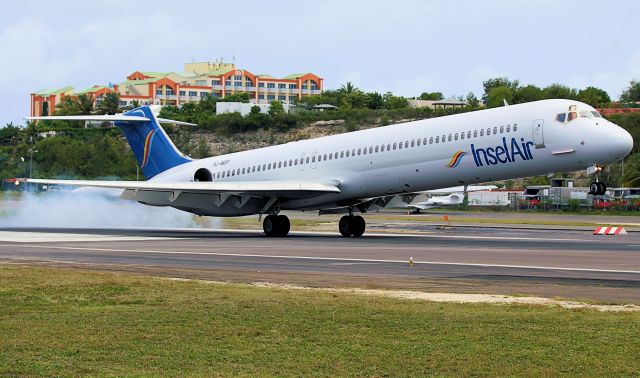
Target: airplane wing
[461, 189]
[279, 189]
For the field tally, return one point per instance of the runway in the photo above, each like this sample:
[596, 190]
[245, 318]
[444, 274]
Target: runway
[573, 262]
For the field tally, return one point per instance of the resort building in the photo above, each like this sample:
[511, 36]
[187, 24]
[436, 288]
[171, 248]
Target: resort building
[197, 80]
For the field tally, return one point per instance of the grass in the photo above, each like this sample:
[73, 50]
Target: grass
[71, 322]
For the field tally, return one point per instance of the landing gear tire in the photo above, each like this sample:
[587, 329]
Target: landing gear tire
[276, 225]
[352, 226]
[597, 188]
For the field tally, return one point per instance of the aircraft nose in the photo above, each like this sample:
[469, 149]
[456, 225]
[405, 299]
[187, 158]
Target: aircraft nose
[623, 142]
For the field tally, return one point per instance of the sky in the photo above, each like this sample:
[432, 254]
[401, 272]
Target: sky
[404, 46]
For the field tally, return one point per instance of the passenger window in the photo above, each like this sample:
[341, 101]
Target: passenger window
[400, 145]
[388, 146]
[444, 138]
[495, 130]
[488, 131]
[313, 159]
[418, 142]
[501, 129]
[449, 137]
[515, 127]
[413, 143]
[468, 134]
[295, 161]
[395, 145]
[461, 136]
[431, 140]
[280, 164]
[243, 171]
[269, 166]
[482, 132]
[455, 136]
[424, 142]
[341, 154]
[475, 133]
[508, 128]
[596, 114]
[359, 151]
[347, 154]
[438, 139]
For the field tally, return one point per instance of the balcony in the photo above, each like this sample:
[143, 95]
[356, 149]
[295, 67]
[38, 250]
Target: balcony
[217, 87]
[165, 97]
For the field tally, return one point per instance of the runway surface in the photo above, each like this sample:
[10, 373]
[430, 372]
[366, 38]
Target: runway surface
[605, 267]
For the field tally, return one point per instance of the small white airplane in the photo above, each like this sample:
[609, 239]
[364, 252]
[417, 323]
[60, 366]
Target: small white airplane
[437, 198]
[363, 170]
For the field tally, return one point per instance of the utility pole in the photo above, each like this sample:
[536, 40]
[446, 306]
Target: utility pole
[31, 152]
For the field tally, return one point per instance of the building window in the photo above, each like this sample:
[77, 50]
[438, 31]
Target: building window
[227, 82]
[314, 87]
[202, 94]
[293, 86]
[260, 97]
[158, 92]
[201, 83]
[282, 98]
[169, 92]
[292, 98]
[304, 86]
[271, 97]
[282, 86]
[271, 85]
[215, 82]
[260, 85]
[183, 93]
[237, 77]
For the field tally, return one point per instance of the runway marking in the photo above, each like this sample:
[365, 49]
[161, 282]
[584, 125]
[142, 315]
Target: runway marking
[342, 259]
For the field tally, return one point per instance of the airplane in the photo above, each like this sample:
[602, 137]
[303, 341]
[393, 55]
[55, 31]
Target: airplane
[363, 170]
[449, 197]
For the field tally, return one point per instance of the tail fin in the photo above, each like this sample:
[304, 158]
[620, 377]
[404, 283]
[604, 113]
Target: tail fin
[153, 149]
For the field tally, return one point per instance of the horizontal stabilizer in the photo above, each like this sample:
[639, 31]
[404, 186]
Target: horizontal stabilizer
[92, 118]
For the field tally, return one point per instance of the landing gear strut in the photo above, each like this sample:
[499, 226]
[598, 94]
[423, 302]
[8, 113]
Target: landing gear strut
[276, 225]
[350, 225]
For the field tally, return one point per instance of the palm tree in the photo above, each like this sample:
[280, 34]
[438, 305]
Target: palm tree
[110, 103]
[348, 88]
[85, 102]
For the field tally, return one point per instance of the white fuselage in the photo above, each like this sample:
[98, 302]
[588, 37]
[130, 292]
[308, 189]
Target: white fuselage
[494, 144]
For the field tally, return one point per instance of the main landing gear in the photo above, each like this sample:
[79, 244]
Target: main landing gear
[276, 225]
[597, 188]
[350, 225]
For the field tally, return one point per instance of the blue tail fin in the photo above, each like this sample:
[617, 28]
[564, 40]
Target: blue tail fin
[150, 144]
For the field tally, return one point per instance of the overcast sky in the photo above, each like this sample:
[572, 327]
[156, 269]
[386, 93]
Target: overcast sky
[406, 47]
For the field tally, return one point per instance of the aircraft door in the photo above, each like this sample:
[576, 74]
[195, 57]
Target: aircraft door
[538, 134]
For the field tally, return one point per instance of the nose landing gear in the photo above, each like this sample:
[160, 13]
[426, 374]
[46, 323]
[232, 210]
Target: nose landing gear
[597, 188]
[350, 225]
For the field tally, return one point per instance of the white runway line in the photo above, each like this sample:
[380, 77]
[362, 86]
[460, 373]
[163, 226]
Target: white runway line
[53, 237]
[341, 259]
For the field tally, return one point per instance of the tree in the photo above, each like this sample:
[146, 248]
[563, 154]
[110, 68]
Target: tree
[374, 100]
[632, 93]
[394, 102]
[68, 106]
[109, 104]
[9, 135]
[498, 82]
[432, 96]
[560, 91]
[472, 101]
[498, 95]
[236, 97]
[593, 96]
[276, 109]
[348, 88]
[135, 104]
[527, 94]
[85, 102]
[632, 170]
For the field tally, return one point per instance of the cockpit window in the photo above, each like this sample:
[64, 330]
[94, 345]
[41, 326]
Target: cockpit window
[586, 114]
[572, 116]
[561, 117]
[596, 114]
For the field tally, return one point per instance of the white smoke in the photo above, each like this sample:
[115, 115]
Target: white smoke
[95, 208]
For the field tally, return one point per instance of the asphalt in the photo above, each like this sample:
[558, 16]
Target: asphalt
[501, 260]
